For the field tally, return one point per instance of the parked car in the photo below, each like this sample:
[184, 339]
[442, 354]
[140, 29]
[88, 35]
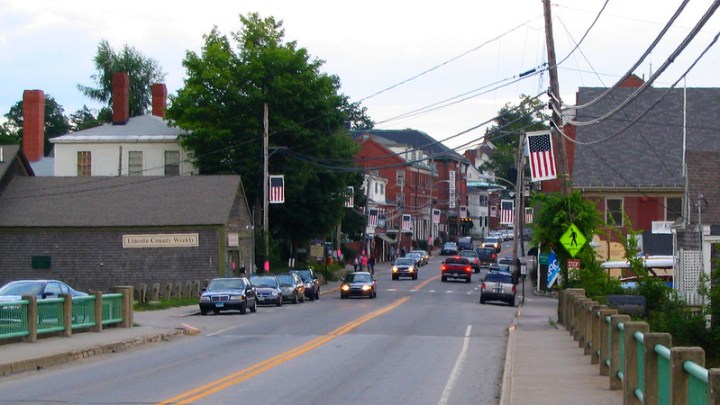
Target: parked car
[404, 267]
[268, 290]
[487, 256]
[456, 267]
[415, 256]
[497, 286]
[425, 256]
[312, 284]
[449, 248]
[500, 267]
[358, 283]
[494, 242]
[14, 290]
[473, 257]
[292, 286]
[224, 294]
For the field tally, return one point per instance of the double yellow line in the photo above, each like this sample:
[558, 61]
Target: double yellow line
[242, 375]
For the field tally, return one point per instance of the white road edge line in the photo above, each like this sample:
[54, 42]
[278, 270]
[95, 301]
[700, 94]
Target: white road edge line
[456, 369]
[220, 331]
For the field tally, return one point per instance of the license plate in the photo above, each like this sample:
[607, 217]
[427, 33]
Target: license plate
[219, 304]
[261, 298]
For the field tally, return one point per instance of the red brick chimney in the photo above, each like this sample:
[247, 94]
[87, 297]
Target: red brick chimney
[632, 81]
[33, 142]
[159, 99]
[121, 98]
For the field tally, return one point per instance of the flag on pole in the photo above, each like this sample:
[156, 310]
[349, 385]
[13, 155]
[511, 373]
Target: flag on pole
[350, 194]
[493, 211]
[542, 159]
[406, 222]
[373, 217]
[529, 215]
[463, 211]
[436, 216]
[553, 269]
[507, 214]
[277, 189]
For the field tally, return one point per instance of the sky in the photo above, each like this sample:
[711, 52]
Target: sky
[443, 68]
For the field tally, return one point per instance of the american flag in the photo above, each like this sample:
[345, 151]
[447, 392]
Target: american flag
[406, 222]
[542, 159]
[277, 189]
[350, 194]
[373, 217]
[463, 211]
[529, 215]
[436, 216]
[507, 212]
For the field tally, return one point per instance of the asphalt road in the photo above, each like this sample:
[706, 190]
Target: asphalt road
[420, 341]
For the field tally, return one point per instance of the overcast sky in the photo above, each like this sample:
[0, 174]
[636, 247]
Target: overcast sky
[472, 51]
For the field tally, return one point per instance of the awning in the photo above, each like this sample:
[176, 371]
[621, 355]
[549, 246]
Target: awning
[386, 238]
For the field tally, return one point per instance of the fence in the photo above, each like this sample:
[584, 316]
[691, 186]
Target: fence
[30, 317]
[642, 364]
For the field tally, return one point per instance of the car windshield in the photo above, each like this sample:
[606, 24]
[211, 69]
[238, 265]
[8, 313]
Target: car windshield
[22, 288]
[450, 244]
[285, 279]
[304, 275]
[468, 253]
[456, 260]
[501, 268]
[404, 262]
[358, 278]
[264, 281]
[492, 240]
[226, 284]
[496, 277]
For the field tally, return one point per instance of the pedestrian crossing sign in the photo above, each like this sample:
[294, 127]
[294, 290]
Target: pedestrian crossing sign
[573, 240]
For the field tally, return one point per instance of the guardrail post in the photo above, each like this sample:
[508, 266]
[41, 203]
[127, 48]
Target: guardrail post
[573, 312]
[98, 310]
[32, 316]
[67, 314]
[605, 340]
[595, 333]
[586, 326]
[631, 376]
[713, 386]
[567, 306]
[126, 306]
[679, 377]
[652, 383]
[615, 353]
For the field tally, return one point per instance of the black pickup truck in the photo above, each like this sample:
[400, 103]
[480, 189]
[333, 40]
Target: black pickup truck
[487, 256]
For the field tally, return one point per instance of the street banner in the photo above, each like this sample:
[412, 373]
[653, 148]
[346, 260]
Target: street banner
[463, 211]
[373, 217]
[529, 215]
[406, 222]
[277, 189]
[493, 211]
[507, 214]
[350, 197]
[436, 216]
[553, 269]
[542, 159]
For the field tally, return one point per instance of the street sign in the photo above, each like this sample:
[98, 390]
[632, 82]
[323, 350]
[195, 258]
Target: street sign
[573, 240]
[573, 264]
[543, 258]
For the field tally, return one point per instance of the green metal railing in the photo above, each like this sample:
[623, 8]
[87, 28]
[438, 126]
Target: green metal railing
[83, 312]
[664, 374]
[13, 319]
[697, 383]
[50, 315]
[112, 308]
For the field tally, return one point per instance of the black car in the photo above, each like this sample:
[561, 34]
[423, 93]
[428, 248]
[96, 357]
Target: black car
[487, 256]
[292, 286]
[358, 284]
[312, 284]
[268, 290]
[224, 294]
[404, 267]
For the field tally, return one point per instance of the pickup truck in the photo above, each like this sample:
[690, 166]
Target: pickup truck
[456, 267]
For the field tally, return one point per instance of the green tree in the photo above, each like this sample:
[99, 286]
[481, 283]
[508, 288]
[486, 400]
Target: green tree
[56, 123]
[143, 73]
[221, 106]
[84, 119]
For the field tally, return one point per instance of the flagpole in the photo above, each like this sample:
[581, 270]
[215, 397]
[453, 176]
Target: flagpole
[266, 219]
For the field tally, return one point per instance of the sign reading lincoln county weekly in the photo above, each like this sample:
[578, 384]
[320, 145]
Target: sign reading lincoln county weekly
[161, 240]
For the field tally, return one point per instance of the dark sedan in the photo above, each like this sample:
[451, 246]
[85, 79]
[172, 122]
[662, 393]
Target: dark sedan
[268, 290]
[224, 294]
[312, 284]
[293, 288]
[405, 267]
[15, 290]
[359, 284]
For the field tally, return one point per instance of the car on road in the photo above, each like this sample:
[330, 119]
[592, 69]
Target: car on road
[425, 256]
[487, 256]
[268, 290]
[494, 242]
[456, 267]
[231, 293]
[473, 257]
[312, 284]
[415, 256]
[497, 286]
[404, 267]
[358, 284]
[449, 248]
[15, 290]
[465, 243]
[292, 286]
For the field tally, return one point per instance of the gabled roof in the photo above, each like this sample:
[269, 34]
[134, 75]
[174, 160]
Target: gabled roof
[11, 154]
[648, 154]
[118, 201]
[148, 128]
[414, 138]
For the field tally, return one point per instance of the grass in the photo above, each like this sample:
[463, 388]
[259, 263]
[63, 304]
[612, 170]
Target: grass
[166, 303]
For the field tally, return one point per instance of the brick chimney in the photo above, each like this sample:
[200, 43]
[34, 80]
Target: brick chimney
[33, 142]
[632, 81]
[159, 99]
[121, 98]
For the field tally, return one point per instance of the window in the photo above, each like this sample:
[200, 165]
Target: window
[673, 208]
[135, 163]
[84, 163]
[172, 163]
[613, 211]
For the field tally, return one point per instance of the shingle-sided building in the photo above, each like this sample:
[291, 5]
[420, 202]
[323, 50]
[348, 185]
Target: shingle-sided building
[98, 232]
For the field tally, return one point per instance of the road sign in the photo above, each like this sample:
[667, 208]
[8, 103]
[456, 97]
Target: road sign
[573, 240]
[573, 264]
[543, 258]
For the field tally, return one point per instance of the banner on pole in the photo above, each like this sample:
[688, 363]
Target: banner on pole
[542, 158]
[406, 222]
[507, 212]
[350, 197]
[436, 216]
[553, 269]
[277, 189]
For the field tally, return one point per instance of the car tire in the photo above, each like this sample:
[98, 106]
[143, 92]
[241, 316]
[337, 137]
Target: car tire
[253, 308]
[394, 277]
[312, 296]
[203, 311]
[216, 311]
[443, 279]
[317, 294]
[482, 300]
[302, 298]
[244, 307]
[295, 299]
[280, 302]
[343, 296]
[467, 280]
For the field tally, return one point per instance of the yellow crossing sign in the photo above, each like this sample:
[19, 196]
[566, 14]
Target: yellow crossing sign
[573, 240]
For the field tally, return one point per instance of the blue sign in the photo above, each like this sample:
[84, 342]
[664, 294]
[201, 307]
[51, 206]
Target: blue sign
[553, 269]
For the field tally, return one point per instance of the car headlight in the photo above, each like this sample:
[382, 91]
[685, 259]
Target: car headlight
[204, 298]
[308, 285]
[275, 293]
[237, 297]
[345, 287]
[411, 269]
[366, 288]
[394, 269]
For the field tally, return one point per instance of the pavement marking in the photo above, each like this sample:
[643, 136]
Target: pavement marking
[445, 397]
[423, 284]
[242, 375]
[220, 331]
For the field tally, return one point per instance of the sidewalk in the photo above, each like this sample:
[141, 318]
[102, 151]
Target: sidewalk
[544, 364]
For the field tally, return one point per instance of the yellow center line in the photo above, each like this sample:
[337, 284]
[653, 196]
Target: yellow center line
[423, 284]
[242, 375]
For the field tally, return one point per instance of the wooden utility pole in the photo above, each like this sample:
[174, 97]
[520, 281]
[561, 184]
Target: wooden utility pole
[266, 156]
[518, 202]
[555, 102]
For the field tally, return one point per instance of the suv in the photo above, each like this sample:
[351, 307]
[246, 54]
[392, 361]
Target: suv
[493, 242]
[449, 248]
[498, 286]
[465, 243]
[312, 285]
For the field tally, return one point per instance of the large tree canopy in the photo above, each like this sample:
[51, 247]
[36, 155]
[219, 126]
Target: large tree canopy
[221, 106]
[143, 72]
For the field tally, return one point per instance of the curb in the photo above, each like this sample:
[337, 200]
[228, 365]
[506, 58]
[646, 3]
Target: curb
[506, 387]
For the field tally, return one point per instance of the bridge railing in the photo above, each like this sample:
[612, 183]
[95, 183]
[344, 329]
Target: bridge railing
[644, 365]
[29, 317]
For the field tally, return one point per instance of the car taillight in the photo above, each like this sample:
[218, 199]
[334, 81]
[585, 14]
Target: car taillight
[443, 267]
[483, 285]
[513, 288]
[494, 256]
[468, 269]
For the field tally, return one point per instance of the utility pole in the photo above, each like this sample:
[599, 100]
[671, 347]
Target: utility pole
[266, 232]
[518, 200]
[555, 101]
